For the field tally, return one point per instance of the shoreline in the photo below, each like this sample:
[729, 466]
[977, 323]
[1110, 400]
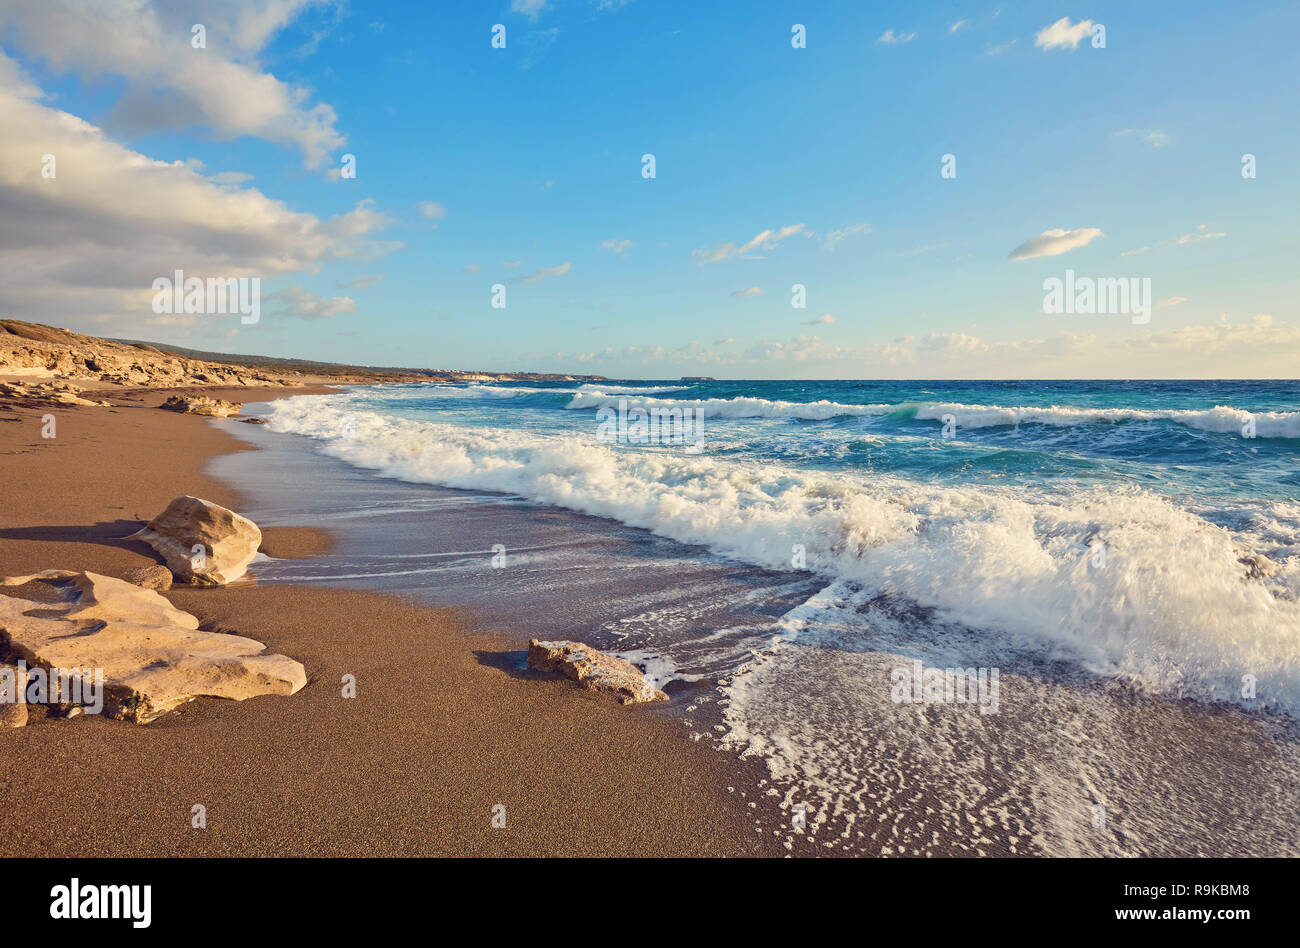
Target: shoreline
[876, 777]
[386, 579]
[445, 726]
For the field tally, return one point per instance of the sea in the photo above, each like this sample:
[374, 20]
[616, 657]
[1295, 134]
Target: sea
[923, 617]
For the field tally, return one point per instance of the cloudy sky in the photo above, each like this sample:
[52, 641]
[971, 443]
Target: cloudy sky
[776, 164]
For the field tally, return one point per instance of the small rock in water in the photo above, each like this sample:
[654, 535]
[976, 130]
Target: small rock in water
[155, 576]
[254, 421]
[593, 670]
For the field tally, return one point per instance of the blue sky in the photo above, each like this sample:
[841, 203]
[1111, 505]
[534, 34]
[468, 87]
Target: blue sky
[522, 166]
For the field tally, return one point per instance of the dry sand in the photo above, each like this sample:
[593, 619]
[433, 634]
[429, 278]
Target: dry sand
[444, 726]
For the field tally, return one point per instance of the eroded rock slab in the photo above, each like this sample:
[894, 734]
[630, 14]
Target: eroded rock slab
[153, 655]
[593, 670]
[203, 543]
[50, 393]
[201, 405]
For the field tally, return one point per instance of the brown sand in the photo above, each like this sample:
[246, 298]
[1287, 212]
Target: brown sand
[444, 725]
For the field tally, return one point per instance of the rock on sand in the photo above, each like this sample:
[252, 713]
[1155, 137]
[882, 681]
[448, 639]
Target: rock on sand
[153, 655]
[593, 670]
[201, 405]
[227, 541]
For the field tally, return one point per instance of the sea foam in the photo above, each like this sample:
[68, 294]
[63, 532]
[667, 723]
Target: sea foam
[1221, 419]
[1173, 610]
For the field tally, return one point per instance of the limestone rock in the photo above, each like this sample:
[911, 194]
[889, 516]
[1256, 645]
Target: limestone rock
[43, 351]
[228, 541]
[593, 670]
[50, 393]
[154, 576]
[13, 707]
[153, 655]
[201, 405]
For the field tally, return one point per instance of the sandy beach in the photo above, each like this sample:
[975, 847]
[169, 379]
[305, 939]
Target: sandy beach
[858, 440]
[444, 727]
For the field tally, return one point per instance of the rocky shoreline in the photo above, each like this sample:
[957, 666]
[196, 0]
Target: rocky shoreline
[48, 354]
[413, 724]
[150, 655]
[116, 647]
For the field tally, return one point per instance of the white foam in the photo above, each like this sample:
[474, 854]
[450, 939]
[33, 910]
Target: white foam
[629, 389]
[1221, 419]
[743, 407]
[876, 776]
[1171, 611]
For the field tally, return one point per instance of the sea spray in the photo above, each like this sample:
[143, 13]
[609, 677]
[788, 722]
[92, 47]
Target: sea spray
[1173, 612]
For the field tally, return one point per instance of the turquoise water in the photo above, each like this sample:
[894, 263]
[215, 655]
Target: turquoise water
[1126, 555]
[1165, 436]
[1145, 531]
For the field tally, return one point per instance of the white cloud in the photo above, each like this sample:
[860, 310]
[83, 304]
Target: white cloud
[307, 305]
[953, 344]
[890, 37]
[529, 8]
[431, 210]
[168, 84]
[87, 244]
[751, 291]
[1155, 137]
[1063, 34]
[835, 236]
[511, 264]
[825, 319]
[958, 25]
[473, 268]
[1202, 232]
[999, 49]
[616, 246]
[544, 272]
[1172, 301]
[1254, 348]
[362, 282]
[920, 250]
[1053, 243]
[763, 240]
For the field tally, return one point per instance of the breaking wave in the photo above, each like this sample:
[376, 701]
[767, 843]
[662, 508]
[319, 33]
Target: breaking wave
[1221, 419]
[1180, 606]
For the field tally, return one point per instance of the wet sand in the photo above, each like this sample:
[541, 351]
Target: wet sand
[1073, 764]
[445, 725]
